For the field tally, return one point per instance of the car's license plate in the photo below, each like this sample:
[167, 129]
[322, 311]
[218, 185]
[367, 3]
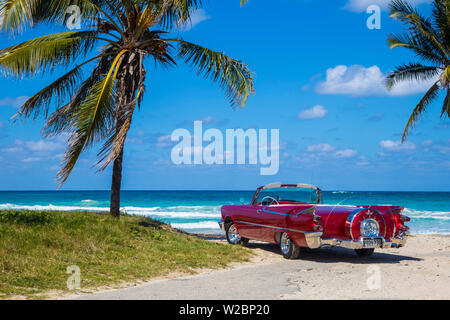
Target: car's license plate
[372, 243]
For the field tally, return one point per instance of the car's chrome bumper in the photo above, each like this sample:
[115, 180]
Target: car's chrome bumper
[222, 226]
[314, 241]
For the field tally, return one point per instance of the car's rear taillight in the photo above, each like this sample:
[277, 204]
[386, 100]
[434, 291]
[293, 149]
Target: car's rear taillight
[401, 228]
[318, 228]
[317, 221]
[404, 219]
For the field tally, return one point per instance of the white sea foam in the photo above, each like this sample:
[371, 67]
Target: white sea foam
[49, 207]
[196, 225]
[424, 214]
[140, 211]
[342, 192]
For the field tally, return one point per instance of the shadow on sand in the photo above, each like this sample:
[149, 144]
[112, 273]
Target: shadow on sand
[334, 255]
[325, 255]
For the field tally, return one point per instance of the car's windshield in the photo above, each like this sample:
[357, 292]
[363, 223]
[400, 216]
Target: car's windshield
[274, 196]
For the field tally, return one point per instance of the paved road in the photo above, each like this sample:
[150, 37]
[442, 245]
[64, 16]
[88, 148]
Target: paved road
[329, 274]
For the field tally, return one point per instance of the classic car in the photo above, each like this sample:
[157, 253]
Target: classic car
[294, 216]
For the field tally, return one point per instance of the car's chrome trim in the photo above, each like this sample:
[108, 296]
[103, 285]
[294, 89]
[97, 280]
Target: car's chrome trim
[278, 228]
[353, 214]
[314, 239]
[312, 208]
[272, 185]
[359, 244]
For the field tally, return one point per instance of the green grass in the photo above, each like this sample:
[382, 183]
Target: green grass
[36, 247]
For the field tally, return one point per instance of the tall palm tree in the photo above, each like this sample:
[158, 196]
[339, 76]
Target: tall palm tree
[429, 39]
[99, 107]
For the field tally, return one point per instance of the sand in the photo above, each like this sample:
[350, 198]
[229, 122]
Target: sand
[421, 270]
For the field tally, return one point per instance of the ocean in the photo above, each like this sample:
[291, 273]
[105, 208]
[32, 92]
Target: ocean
[199, 211]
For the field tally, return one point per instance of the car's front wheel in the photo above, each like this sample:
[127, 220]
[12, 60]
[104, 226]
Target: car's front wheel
[233, 236]
[364, 252]
[288, 248]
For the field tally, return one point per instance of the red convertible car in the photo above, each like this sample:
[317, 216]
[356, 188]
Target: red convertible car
[294, 216]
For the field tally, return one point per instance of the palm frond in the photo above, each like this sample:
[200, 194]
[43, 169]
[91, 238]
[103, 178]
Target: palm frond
[59, 121]
[18, 14]
[417, 44]
[441, 17]
[411, 72]
[431, 94]
[446, 107]
[232, 75]
[91, 122]
[59, 89]
[419, 26]
[161, 50]
[114, 145]
[31, 57]
[173, 12]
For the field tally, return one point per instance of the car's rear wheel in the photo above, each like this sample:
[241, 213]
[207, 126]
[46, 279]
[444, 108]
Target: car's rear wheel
[233, 236]
[288, 248]
[364, 252]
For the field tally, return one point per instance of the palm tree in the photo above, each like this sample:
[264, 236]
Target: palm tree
[99, 107]
[429, 39]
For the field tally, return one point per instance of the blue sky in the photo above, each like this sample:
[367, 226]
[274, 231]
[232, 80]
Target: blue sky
[318, 72]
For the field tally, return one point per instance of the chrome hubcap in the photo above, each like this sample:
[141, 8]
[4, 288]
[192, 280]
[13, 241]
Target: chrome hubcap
[285, 243]
[369, 228]
[233, 235]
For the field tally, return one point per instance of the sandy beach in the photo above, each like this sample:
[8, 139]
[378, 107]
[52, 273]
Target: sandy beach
[421, 270]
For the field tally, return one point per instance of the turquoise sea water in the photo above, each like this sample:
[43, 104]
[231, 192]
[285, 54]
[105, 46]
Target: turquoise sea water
[199, 211]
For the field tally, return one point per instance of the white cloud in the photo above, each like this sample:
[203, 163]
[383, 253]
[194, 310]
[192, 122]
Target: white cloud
[164, 141]
[209, 119]
[31, 159]
[362, 161]
[357, 80]
[323, 147]
[315, 112]
[43, 145]
[46, 146]
[11, 149]
[347, 153]
[396, 145]
[362, 5]
[197, 16]
[442, 149]
[13, 102]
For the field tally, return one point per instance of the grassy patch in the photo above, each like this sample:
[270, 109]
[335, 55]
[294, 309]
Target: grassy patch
[36, 247]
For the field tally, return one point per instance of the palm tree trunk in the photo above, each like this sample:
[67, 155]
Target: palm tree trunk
[126, 87]
[115, 186]
[116, 183]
